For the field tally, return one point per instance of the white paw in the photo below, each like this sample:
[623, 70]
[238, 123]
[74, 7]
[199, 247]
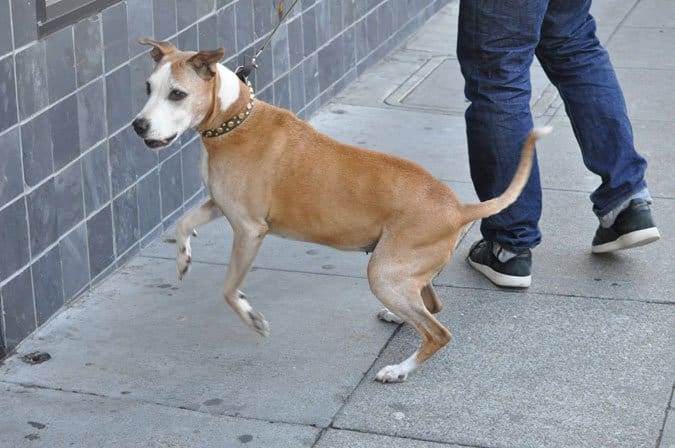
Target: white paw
[183, 259]
[392, 374]
[388, 316]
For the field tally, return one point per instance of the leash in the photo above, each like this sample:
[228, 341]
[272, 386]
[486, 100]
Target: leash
[243, 71]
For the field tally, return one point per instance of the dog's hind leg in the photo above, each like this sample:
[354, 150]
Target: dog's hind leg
[431, 300]
[402, 296]
[207, 212]
[247, 241]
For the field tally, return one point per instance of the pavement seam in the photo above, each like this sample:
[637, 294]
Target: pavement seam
[154, 403]
[539, 293]
[363, 378]
[665, 418]
[438, 285]
[417, 439]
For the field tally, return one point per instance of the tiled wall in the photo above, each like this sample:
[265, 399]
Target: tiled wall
[79, 193]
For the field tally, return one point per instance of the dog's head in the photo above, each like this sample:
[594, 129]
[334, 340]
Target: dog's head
[181, 91]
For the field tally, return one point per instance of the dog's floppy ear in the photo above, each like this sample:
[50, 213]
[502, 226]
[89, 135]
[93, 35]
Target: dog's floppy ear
[204, 62]
[159, 49]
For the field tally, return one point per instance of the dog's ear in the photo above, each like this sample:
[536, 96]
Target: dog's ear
[204, 62]
[159, 49]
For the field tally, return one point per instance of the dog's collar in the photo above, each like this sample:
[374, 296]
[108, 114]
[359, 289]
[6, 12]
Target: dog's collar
[231, 123]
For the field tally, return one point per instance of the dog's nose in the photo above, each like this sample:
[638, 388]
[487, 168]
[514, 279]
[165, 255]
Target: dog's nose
[141, 126]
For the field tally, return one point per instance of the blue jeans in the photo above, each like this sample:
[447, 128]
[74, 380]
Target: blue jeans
[496, 45]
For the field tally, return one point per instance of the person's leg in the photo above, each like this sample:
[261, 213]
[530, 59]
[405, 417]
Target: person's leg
[495, 48]
[496, 44]
[580, 68]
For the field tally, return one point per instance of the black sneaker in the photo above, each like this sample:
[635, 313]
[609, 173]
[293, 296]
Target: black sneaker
[633, 227]
[515, 273]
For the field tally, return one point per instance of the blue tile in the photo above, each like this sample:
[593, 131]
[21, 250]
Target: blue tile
[243, 12]
[164, 18]
[348, 12]
[65, 133]
[36, 138]
[140, 23]
[91, 114]
[115, 36]
[186, 13]
[88, 49]
[96, 178]
[188, 40]
[361, 36]
[141, 68]
[122, 170]
[263, 13]
[42, 217]
[282, 96]
[170, 177]
[14, 237]
[385, 23]
[204, 7]
[5, 34]
[74, 262]
[125, 220]
[280, 56]
[24, 21]
[17, 301]
[60, 64]
[310, 70]
[192, 181]
[309, 38]
[31, 79]
[324, 31]
[226, 30]
[331, 63]
[296, 45]
[149, 205]
[100, 241]
[208, 33]
[336, 25]
[68, 197]
[8, 116]
[297, 88]
[47, 285]
[11, 180]
[118, 104]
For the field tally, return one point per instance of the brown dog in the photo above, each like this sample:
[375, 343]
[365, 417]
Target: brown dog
[269, 172]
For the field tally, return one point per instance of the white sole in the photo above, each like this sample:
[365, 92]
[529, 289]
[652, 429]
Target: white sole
[629, 240]
[499, 279]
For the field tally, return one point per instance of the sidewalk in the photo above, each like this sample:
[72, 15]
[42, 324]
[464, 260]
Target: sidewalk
[585, 357]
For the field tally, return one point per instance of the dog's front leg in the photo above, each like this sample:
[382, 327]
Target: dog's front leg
[245, 246]
[207, 212]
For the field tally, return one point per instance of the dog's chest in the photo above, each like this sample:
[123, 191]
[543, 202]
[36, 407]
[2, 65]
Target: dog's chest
[204, 169]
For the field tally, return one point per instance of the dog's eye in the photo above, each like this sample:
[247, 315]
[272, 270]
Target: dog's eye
[177, 95]
[148, 90]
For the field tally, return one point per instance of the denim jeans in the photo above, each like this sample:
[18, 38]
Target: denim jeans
[496, 45]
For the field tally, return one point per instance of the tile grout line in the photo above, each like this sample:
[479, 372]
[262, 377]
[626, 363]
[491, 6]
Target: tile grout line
[659, 439]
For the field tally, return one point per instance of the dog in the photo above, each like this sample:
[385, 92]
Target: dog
[268, 172]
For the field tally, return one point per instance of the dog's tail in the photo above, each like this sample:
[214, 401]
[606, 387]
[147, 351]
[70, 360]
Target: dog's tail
[472, 212]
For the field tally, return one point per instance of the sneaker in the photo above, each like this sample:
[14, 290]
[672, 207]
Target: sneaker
[514, 273]
[633, 227]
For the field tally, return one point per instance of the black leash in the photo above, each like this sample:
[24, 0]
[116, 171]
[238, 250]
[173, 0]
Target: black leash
[243, 71]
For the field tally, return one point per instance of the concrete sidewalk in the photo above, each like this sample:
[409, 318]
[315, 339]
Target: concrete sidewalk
[584, 358]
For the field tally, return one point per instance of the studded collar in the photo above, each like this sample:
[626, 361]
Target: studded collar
[232, 122]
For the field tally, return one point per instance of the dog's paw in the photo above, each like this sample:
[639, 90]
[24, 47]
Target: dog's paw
[388, 316]
[183, 260]
[259, 323]
[392, 374]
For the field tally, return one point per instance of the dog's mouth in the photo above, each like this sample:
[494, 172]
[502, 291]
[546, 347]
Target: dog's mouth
[156, 144]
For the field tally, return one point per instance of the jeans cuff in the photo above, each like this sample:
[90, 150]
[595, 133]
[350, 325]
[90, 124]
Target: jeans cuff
[607, 219]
